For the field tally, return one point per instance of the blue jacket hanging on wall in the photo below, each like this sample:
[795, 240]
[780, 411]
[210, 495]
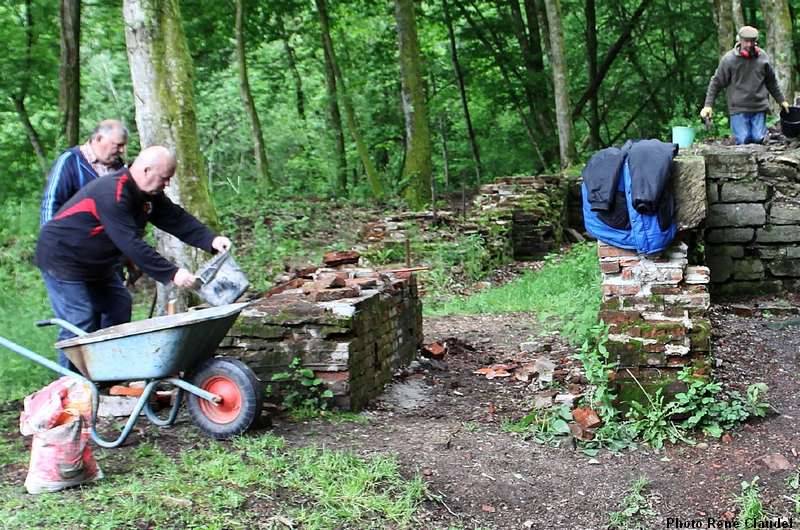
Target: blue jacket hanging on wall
[626, 197]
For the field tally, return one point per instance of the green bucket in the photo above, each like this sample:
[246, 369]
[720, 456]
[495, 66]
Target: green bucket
[683, 136]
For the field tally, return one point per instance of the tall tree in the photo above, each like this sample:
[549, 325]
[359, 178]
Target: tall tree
[334, 116]
[566, 144]
[779, 43]
[259, 149]
[349, 110]
[462, 91]
[19, 95]
[591, 52]
[723, 17]
[737, 13]
[69, 95]
[291, 59]
[162, 75]
[417, 169]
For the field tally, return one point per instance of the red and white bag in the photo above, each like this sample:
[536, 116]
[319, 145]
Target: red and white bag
[59, 418]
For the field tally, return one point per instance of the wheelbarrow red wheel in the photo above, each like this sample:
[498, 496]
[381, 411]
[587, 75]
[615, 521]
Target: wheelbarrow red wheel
[241, 395]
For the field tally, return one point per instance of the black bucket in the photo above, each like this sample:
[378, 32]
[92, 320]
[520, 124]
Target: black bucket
[790, 122]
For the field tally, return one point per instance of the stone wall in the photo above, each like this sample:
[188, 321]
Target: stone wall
[353, 344]
[752, 233]
[657, 310]
[528, 210]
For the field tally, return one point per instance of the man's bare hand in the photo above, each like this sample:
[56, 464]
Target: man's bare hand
[184, 278]
[706, 112]
[785, 106]
[221, 244]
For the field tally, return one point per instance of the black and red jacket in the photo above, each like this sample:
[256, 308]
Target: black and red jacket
[106, 219]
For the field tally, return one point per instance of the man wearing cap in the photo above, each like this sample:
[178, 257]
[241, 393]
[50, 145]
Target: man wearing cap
[747, 75]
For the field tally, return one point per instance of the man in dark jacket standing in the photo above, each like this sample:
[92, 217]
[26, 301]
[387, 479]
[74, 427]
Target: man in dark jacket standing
[747, 74]
[79, 165]
[79, 248]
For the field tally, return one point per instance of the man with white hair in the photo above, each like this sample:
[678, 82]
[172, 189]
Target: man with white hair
[79, 165]
[79, 248]
[747, 74]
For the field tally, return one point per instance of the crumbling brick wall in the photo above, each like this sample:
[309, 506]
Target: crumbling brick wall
[353, 344]
[657, 311]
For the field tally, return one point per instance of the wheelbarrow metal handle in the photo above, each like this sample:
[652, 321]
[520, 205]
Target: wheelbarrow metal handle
[63, 323]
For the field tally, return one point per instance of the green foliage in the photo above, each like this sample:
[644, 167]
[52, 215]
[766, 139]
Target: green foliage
[714, 411]
[305, 393]
[544, 426]
[793, 483]
[565, 294]
[651, 422]
[220, 486]
[634, 507]
[751, 509]
[23, 300]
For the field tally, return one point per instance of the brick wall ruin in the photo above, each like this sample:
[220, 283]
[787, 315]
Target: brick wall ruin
[528, 210]
[352, 326]
[657, 310]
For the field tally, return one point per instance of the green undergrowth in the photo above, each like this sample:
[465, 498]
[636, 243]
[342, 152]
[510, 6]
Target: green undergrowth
[565, 293]
[703, 407]
[23, 300]
[634, 509]
[253, 482]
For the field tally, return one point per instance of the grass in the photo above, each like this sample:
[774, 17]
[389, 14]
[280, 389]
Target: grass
[23, 300]
[751, 509]
[255, 482]
[634, 507]
[565, 293]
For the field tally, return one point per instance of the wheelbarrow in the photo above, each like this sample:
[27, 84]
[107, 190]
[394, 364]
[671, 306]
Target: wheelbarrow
[224, 395]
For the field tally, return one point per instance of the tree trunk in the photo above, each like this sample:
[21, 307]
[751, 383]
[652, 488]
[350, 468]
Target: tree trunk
[349, 111]
[19, 98]
[291, 59]
[591, 52]
[473, 144]
[738, 14]
[259, 150]
[780, 45]
[723, 18]
[506, 71]
[417, 170]
[609, 58]
[161, 72]
[334, 116]
[69, 94]
[566, 146]
[33, 136]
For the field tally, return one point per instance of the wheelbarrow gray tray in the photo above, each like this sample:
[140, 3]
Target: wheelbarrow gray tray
[152, 348]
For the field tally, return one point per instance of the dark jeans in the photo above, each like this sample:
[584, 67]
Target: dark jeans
[89, 305]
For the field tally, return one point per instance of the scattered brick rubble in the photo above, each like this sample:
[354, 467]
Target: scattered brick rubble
[351, 325]
[657, 309]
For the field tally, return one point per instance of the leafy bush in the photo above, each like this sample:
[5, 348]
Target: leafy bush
[305, 392]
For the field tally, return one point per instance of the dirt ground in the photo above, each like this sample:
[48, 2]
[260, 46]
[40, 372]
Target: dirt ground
[444, 422]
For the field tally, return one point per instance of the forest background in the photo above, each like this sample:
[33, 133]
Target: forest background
[365, 102]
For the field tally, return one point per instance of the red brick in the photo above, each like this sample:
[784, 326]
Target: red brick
[607, 251]
[629, 262]
[609, 267]
[621, 289]
[665, 289]
[619, 317]
[334, 258]
[333, 377]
